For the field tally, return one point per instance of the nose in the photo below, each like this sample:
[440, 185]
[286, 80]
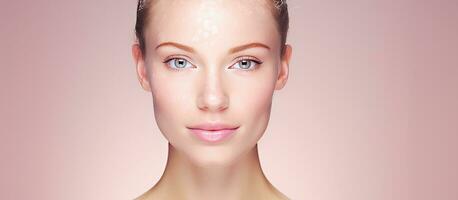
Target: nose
[213, 97]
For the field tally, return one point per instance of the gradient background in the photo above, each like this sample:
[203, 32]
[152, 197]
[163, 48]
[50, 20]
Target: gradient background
[370, 111]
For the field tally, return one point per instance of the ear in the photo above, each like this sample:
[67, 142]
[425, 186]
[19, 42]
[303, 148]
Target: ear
[142, 74]
[284, 67]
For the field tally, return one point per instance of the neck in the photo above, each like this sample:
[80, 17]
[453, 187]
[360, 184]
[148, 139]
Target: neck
[183, 179]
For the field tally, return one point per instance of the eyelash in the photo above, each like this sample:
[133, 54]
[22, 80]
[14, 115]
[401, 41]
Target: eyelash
[248, 58]
[237, 60]
[169, 58]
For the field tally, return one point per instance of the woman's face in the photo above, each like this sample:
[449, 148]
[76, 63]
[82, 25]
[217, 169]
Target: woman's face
[212, 61]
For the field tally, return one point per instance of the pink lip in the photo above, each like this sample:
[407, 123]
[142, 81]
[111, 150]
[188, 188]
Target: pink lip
[213, 132]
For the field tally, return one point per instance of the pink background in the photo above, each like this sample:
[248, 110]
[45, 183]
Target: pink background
[370, 111]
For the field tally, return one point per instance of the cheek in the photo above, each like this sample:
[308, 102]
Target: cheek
[170, 96]
[253, 101]
[172, 101]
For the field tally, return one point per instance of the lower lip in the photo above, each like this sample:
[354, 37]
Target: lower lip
[213, 136]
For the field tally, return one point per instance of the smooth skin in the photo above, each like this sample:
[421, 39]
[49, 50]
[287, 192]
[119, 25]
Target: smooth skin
[201, 65]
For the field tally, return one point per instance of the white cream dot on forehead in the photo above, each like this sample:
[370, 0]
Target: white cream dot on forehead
[208, 20]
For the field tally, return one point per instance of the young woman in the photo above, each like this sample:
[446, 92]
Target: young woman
[212, 67]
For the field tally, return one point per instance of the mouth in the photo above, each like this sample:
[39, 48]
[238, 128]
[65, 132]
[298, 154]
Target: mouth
[213, 133]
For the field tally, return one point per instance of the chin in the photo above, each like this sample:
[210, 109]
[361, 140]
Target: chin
[213, 156]
[227, 153]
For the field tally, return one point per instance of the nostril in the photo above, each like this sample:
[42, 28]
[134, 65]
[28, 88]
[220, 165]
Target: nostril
[213, 102]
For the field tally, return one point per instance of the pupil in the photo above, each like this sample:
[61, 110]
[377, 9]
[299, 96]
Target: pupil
[180, 63]
[245, 64]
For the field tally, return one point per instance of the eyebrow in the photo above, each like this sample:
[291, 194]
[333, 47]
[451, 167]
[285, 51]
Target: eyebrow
[177, 45]
[231, 51]
[247, 46]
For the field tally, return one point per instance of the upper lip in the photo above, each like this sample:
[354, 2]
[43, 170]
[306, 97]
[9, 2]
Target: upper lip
[213, 126]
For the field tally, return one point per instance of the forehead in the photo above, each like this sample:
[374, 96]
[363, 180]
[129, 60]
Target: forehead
[209, 23]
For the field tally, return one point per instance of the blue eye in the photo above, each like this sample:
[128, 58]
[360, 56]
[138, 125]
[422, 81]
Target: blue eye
[246, 64]
[178, 63]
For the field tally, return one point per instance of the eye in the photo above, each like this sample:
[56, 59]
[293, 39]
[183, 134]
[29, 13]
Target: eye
[246, 64]
[178, 63]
